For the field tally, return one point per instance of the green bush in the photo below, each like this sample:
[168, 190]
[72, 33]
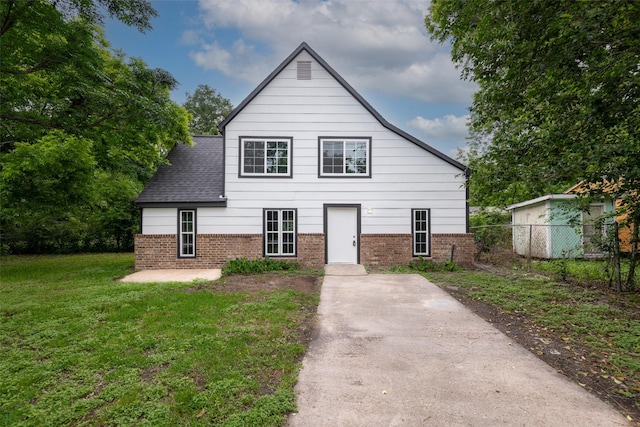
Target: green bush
[422, 265]
[246, 266]
[489, 229]
[427, 265]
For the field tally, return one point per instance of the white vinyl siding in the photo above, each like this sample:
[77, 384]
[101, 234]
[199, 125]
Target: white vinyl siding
[187, 235]
[159, 221]
[403, 175]
[421, 235]
[279, 232]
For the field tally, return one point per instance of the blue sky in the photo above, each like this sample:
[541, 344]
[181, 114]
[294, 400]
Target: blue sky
[381, 47]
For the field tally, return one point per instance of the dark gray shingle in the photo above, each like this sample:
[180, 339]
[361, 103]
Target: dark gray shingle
[194, 175]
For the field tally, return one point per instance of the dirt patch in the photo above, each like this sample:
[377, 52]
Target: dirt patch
[254, 283]
[258, 283]
[578, 363]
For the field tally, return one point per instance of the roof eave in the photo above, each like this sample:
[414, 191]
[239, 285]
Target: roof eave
[540, 200]
[200, 204]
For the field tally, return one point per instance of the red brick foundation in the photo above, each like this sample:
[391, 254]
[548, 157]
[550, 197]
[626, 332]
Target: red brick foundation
[463, 252]
[160, 251]
[384, 250]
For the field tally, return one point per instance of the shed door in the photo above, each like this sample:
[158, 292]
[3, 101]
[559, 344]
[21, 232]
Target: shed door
[342, 234]
[592, 231]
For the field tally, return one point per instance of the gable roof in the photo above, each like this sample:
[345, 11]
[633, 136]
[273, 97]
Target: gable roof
[193, 177]
[351, 90]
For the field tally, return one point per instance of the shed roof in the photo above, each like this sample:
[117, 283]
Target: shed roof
[305, 47]
[540, 200]
[193, 177]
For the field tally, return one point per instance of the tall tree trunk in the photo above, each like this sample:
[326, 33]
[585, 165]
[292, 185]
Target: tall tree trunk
[616, 256]
[635, 239]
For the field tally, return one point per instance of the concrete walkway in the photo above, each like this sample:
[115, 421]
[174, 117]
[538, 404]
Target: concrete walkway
[395, 350]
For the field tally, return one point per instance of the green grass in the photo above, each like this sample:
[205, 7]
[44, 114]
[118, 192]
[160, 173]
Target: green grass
[605, 322]
[79, 348]
[581, 269]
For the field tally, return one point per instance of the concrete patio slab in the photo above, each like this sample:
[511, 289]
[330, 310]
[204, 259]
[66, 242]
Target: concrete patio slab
[172, 275]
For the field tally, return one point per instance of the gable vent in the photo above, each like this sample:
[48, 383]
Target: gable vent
[304, 70]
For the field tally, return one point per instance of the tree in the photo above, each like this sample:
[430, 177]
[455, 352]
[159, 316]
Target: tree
[136, 13]
[208, 109]
[65, 94]
[559, 97]
[45, 186]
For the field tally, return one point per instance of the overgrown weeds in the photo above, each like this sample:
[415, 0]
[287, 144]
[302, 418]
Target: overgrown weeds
[423, 265]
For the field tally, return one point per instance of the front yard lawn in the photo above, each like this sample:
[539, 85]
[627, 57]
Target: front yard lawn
[78, 347]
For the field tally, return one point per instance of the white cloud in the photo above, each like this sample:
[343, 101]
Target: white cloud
[449, 128]
[190, 38]
[239, 61]
[375, 45]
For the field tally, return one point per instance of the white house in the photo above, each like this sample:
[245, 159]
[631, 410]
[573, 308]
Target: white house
[305, 169]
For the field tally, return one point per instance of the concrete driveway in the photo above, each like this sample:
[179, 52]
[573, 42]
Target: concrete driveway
[395, 350]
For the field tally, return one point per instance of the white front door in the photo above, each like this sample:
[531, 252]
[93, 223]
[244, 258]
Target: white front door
[341, 234]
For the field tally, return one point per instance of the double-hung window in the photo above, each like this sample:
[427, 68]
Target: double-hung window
[280, 232]
[345, 157]
[421, 224]
[269, 156]
[187, 233]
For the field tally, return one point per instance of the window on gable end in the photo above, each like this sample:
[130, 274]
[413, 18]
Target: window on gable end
[265, 157]
[345, 157]
[304, 70]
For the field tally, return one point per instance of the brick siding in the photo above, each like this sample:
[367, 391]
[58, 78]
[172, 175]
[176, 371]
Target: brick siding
[463, 253]
[384, 250]
[159, 251]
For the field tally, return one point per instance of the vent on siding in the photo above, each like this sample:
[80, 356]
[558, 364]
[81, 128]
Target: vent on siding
[304, 70]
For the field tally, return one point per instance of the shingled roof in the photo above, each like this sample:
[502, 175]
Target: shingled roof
[194, 177]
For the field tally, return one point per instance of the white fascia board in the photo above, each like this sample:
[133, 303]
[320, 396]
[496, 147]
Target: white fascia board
[542, 199]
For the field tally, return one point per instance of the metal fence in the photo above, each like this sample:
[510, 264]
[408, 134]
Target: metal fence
[541, 241]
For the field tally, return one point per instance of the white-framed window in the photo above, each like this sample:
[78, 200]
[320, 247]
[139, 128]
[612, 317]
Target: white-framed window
[268, 156]
[187, 233]
[344, 157]
[421, 230]
[280, 232]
